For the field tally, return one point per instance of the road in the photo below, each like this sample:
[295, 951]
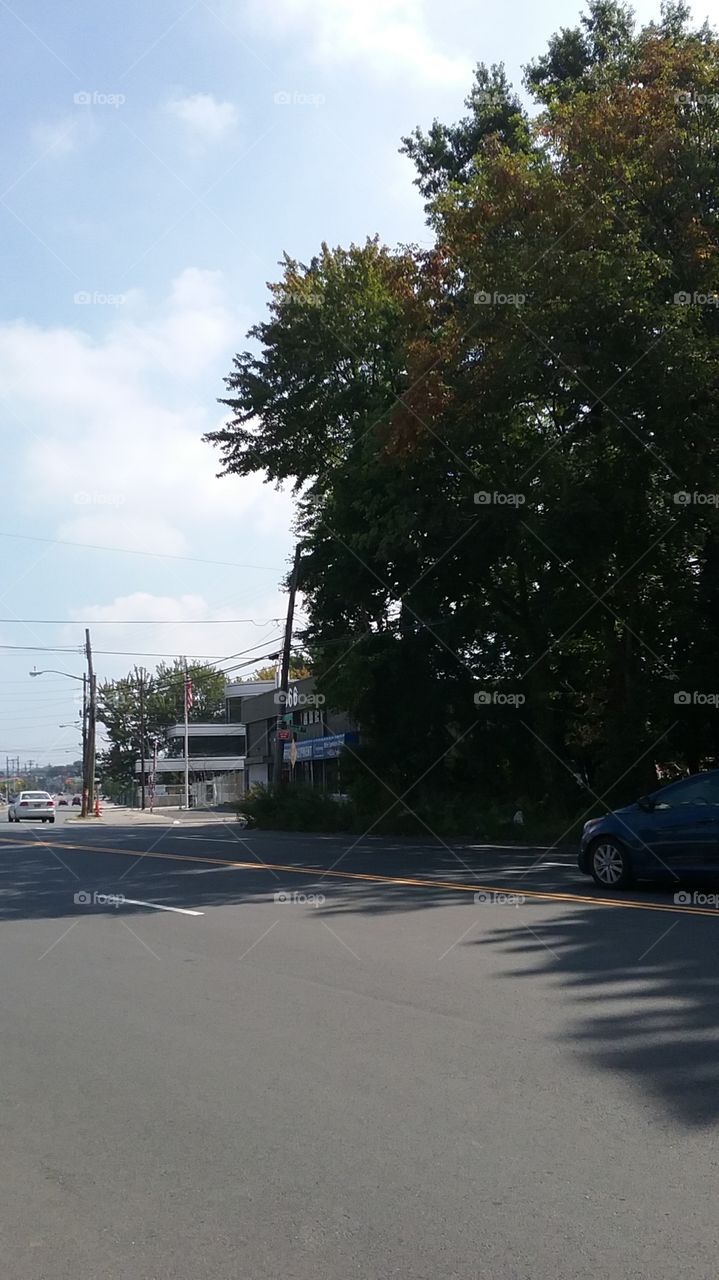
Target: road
[373, 1075]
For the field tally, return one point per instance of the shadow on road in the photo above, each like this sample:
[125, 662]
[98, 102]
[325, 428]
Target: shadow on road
[42, 879]
[638, 988]
[644, 1001]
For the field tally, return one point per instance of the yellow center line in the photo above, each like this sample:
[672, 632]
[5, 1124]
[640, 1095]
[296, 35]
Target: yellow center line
[377, 878]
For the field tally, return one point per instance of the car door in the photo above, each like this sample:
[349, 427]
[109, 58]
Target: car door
[683, 828]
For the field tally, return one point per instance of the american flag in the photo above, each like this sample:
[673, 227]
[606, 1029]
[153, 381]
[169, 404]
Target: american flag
[188, 693]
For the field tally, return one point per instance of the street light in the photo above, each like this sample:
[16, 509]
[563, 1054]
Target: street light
[88, 777]
[51, 671]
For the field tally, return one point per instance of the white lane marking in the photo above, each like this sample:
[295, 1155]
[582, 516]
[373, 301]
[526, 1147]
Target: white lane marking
[211, 839]
[208, 871]
[541, 866]
[159, 906]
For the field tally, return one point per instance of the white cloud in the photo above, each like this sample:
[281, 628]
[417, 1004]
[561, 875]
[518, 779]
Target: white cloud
[142, 605]
[108, 440]
[391, 36]
[205, 118]
[399, 186]
[60, 137]
[107, 527]
[181, 624]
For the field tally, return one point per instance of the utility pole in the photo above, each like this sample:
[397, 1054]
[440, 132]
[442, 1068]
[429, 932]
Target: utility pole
[88, 790]
[187, 702]
[153, 775]
[84, 739]
[141, 682]
[285, 669]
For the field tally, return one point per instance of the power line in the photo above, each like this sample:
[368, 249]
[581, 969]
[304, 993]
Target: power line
[128, 653]
[38, 724]
[47, 682]
[42, 648]
[36, 701]
[145, 653]
[258, 657]
[138, 622]
[174, 680]
[128, 551]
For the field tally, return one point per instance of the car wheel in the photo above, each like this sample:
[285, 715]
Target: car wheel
[51, 819]
[610, 865]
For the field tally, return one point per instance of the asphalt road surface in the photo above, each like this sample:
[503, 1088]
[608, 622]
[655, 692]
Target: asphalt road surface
[246, 1056]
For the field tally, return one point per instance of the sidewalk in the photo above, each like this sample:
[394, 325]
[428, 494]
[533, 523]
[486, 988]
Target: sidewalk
[123, 816]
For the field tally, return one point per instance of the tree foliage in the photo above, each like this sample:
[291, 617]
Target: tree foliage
[504, 447]
[299, 670]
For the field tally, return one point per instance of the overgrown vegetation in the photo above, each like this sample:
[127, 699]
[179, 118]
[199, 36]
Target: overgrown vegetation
[303, 808]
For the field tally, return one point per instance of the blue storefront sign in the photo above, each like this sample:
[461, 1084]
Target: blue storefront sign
[321, 748]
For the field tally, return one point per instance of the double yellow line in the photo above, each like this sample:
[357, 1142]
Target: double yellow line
[414, 882]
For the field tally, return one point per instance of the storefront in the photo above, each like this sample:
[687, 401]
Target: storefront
[317, 762]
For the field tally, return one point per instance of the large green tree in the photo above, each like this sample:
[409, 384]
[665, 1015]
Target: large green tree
[488, 439]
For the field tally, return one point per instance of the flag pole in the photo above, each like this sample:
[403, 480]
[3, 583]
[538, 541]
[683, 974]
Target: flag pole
[187, 753]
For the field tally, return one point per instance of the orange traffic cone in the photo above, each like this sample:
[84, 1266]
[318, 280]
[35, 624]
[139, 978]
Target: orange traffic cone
[97, 806]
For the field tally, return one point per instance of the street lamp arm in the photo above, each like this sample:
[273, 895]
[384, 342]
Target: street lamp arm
[52, 671]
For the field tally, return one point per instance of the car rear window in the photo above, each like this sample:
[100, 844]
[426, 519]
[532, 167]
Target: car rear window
[35, 795]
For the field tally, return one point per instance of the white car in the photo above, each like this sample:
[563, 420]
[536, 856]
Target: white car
[37, 806]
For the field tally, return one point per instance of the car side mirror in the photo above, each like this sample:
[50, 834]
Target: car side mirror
[647, 804]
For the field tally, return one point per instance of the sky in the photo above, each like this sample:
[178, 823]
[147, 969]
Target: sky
[159, 159]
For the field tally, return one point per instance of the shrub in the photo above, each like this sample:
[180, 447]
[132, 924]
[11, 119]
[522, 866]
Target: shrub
[300, 808]
[296, 808]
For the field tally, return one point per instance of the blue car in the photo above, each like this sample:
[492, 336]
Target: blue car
[668, 835]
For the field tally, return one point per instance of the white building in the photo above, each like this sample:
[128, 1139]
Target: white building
[216, 757]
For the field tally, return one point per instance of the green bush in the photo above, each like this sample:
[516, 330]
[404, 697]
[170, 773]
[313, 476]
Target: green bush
[296, 808]
[300, 808]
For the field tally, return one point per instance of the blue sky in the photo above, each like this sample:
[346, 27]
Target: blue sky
[151, 181]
